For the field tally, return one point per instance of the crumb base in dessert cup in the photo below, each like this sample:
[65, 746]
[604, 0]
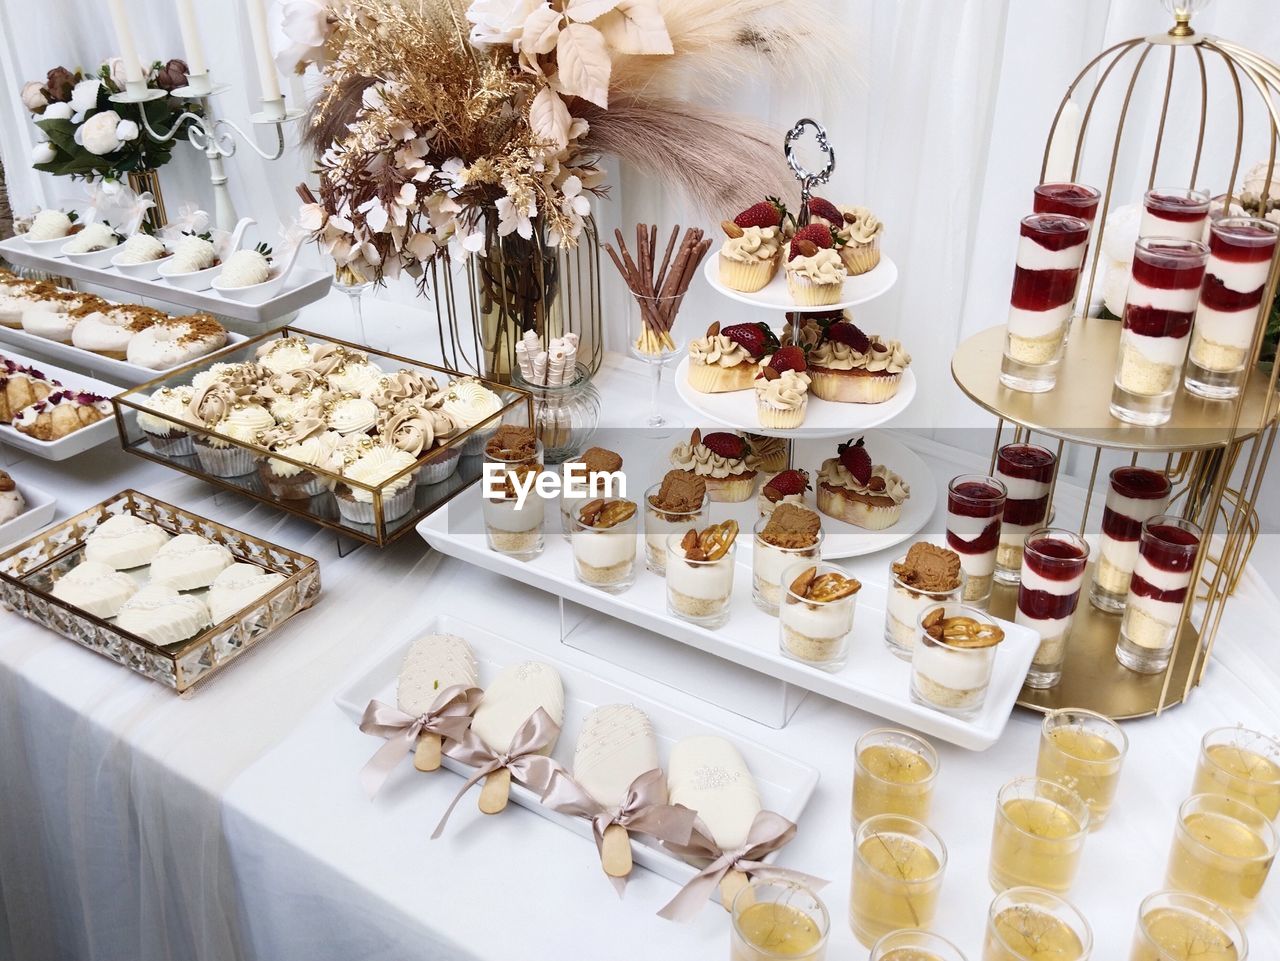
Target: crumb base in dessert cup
[730, 490]
[977, 590]
[860, 258]
[825, 653]
[1030, 378]
[1214, 371]
[714, 379]
[867, 516]
[705, 612]
[765, 595]
[776, 418]
[1008, 563]
[521, 545]
[439, 466]
[1109, 587]
[747, 276]
[612, 580]
[853, 386]
[806, 293]
[394, 504]
[1145, 410]
[1046, 665]
[171, 445]
[303, 485]
[229, 461]
[899, 638]
[949, 700]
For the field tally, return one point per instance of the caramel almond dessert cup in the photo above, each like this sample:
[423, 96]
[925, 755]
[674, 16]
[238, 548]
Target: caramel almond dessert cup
[786, 537]
[700, 574]
[723, 460]
[953, 659]
[729, 359]
[849, 367]
[924, 576]
[597, 461]
[816, 616]
[604, 544]
[853, 490]
[675, 505]
[750, 256]
[511, 527]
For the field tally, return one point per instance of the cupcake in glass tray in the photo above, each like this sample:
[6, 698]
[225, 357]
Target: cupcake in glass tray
[287, 354]
[355, 375]
[236, 413]
[425, 434]
[784, 487]
[815, 272]
[472, 404]
[308, 442]
[377, 466]
[729, 359]
[723, 460]
[753, 244]
[405, 386]
[350, 414]
[853, 489]
[858, 229]
[167, 437]
[782, 389]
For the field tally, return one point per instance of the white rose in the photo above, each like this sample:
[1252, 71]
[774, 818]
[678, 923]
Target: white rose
[33, 97]
[98, 134]
[126, 130]
[499, 22]
[43, 153]
[84, 96]
[1256, 179]
[115, 67]
[1115, 286]
[304, 26]
[57, 111]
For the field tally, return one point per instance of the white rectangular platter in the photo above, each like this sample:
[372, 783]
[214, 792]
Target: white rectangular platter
[873, 680]
[82, 440]
[303, 286]
[785, 784]
[120, 371]
[40, 509]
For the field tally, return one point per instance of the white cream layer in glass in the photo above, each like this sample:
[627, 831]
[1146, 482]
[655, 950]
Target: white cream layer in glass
[503, 515]
[1033, 324]
[1122, 555]
[1166, 613]
[706, 582]
[969, 529]
[770, 563]
[833, 619]
[657, 528]
[1153, 225]
[1229, 328]
[605, 548]
[959, 670]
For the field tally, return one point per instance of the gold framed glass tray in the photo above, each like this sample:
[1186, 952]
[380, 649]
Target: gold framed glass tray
[431, 482]
[29, 570]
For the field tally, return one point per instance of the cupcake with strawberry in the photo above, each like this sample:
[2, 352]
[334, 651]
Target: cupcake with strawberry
[753, 246]
[851, 367]
[853, 489]
[782, 389]
[723, 460]
[728, 359]
[815, 272]
[786, 487]
[858, 229]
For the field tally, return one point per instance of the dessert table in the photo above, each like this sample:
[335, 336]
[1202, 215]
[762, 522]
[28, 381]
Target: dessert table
[229, 823]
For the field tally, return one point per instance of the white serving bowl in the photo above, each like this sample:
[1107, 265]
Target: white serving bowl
[192, 280]
[100, 259]
[147, 270]
[254, 293]
[48, 248]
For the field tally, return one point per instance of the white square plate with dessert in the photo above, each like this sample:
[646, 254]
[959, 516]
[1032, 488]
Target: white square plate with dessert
[78, 441]
[37, 512]
[858, 289]
[785, 785]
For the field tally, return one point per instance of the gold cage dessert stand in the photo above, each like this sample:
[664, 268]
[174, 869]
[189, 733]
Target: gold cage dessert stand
[1215, 452]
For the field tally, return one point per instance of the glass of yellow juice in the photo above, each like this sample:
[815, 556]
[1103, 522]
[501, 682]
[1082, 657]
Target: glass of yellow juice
[1039, 835]
[1083, 751]
[778, 919]
[898, 865]
[893, 773]
[1240, 764]
[1029, 924]
[914, 945]
[1174, 926]
[1222, 850]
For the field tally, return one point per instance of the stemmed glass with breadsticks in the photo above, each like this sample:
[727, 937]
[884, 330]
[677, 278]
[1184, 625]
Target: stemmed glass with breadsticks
[659, 286]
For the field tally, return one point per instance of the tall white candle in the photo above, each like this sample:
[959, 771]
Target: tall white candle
[1062, 148]
[262, 50]
[128, 52]
[191, 37]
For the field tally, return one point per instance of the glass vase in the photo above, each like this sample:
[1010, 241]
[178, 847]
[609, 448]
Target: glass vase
[565, 416]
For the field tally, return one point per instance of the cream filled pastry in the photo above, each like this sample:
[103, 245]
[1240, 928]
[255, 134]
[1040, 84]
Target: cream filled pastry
[124, 541]
[238, 586]
[161, 615]
[61, 413]
[189, 561]
[706, 773]
[95, 588]
[176, 341]
[108, 332]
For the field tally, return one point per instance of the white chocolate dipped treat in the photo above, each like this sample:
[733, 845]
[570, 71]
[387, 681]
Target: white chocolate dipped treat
[515, 694]
[124, 541]
[189, 561]
[95, 588]
[434, 662]
[237, 587]
[615, 746]
[706, 773]
[161, 615]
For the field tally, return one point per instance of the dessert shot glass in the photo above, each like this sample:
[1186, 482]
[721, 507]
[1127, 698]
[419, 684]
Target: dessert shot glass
[660, 525]
[1051, 249]
[700, 592]
[1167, 550]
[1158, 311]
[893, 773]
[769, 565]
[1039, 835]
[953, 677]
[1028, 924]
[1241, 250]
[569, 505]
[1241, 764]
[1083, 751]
[1074, 200]
[512, 527]
[604, 557]
[778, 919]
[898, 865]
[1026, 471]
[975, 505]
[1135, 495]
[815, 627]
[915, 945]
[903, 606]
[1053, 566]
[1174, 212]
[1222, 850]
[1173, 925]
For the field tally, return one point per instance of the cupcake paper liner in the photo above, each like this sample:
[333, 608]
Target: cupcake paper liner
[439, 467]
[746, 277]
[808, 294]
[777, 419]
[860, 258]
[226, 461]
[853, 389]
[394, 506]
[171, 445]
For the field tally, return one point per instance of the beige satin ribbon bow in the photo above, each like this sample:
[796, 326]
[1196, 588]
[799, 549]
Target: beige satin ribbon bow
[525, 758]
[769, 832]
[449, 716]
[644, 810]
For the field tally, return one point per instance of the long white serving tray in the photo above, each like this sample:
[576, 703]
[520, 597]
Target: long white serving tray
[785, 784]
[40, 509]
[858, 289]
[302, 287]
[822, 418]
[872, 680]
[75, 443]
[120, 371]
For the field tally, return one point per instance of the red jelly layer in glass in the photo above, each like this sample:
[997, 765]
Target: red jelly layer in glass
[1055, 560]
[1154, 322]
[1119, 527]
[1241, 243]
[1218, 296]
[1168, 269]
[1044, 606]
[988, 540]
[1026, 513]
[1043, 289]
[1054, 231]
[1144, 588]
[1075, 200]
[975, 499]
[1140, 483]
[1026, 461]
[1169, 548]
[1173, 207]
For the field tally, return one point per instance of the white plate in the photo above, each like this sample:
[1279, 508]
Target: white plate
[873, 680]
[785, 784]
[774, 295]
[82, 440]
[40, 510]
[120, 371]
[822, 418]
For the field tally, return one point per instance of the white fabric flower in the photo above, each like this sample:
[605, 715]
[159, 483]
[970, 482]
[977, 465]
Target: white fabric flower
[33, 97]
[304, 25]
[311, 217]
[1115, 286]
[127, 130]
[115, 67]
[98, 134]
[515, 219]
[84, 97]
[499, 22]
[43, 153]
[1121, 232]
[57, 111]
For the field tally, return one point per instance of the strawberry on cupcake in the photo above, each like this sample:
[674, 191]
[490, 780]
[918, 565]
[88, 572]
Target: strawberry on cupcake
[786, 487]
[852, 489]
[858, 229]
[815, 272]
[851, 367]
[753, 246]
[728, 359]
[723, 460]
[782, 389]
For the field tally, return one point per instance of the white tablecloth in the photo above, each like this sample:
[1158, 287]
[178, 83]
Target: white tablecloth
[135, 824]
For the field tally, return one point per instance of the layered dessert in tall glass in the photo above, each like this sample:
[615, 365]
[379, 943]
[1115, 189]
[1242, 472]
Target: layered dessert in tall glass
[1074, 200]
[1174, 212]
[1136, 494]
[1167, 551]
[1026, 472]
[1051, 251]
[975, 504]
[1240, 254]
[1053, 564]
[1158, 311]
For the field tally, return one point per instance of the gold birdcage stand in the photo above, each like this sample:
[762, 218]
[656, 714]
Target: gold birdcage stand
[1215, 452]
